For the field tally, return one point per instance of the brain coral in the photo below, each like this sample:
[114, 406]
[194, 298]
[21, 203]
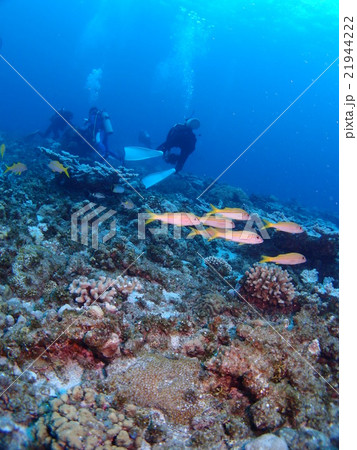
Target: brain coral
[268, 287]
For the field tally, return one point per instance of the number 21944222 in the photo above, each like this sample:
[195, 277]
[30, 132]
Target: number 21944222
[348, 41]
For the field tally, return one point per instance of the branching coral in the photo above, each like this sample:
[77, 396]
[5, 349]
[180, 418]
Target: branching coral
[268, 287]
[102, 290]
[219, 264]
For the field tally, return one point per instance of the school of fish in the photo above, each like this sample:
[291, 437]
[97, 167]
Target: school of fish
[216, 224]
[219, 224]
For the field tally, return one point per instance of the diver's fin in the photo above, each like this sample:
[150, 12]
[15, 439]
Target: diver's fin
[267, 224]
[140, 153]
[156, 177]
[151, 218]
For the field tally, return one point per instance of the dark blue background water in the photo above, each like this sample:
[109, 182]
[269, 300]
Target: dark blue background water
[235, 64]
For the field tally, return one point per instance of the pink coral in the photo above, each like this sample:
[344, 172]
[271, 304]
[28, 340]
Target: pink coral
[268, 287]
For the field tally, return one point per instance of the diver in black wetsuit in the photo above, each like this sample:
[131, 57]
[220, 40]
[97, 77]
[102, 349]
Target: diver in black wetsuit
[57, 125]
[182, 137]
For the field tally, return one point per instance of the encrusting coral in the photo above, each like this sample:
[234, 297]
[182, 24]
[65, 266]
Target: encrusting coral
[171, 385]
[268, 287]
[102, 290]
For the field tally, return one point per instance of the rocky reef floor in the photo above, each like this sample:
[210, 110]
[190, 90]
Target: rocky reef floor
[154, 340]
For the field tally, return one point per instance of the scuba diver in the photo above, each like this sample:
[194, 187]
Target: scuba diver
[57, 125]
[98, 128]
[182, 137]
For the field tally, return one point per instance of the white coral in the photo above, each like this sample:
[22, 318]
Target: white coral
[310, 276]
[103, 290]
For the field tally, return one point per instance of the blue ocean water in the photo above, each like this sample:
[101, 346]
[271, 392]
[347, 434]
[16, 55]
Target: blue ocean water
[235, 65]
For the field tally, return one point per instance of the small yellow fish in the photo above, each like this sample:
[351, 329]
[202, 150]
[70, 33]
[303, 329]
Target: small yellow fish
[180, 219]
[287, 258]
[17, 168]
[242, 237]
[217, 222]
[2, 150]
[127, 204]
[230, 213]
[56, 166]
[287, 227]
[205, 233]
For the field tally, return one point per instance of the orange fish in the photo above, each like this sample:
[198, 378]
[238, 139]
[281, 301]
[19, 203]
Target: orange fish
[217, 222]
[180, 219]
[287, 258]
[288, 227]
[17, 168]
[230, 213]
[242, 237]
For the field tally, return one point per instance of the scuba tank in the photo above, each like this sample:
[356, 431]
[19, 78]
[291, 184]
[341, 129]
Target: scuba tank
[107, 124]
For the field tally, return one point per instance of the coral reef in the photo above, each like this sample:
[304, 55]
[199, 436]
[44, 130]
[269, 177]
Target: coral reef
[219, 264]
[33, 269]
[83, 418]
[102, 290]
[139, 344]
[171, 385]
[268, 287]
[90, 175]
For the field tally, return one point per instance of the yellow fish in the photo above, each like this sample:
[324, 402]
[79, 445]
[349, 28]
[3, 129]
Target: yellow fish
[17, 168]
[217, 222]
[242, 237]
[128, 204]
[287, 227]
[56, 166]
[180, 219]
[287, 258]
[2, 150]
[230, 213]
